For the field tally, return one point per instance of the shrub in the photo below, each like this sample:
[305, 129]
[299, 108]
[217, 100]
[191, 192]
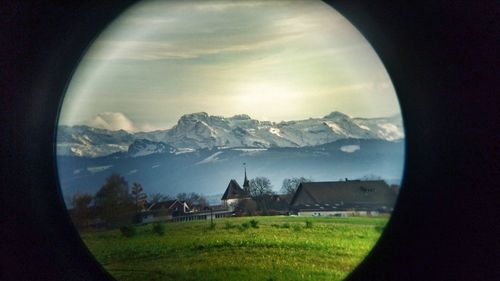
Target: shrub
[211, 226]
[159, 228]
[285, 225]
[273, 213]
[128, 230]
[229, 225]
[243, 227]
[309, 224]
[379, 228]
[254, 223]
[275, 225]
[296, 227]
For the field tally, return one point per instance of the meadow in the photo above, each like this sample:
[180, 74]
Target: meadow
[244, 248]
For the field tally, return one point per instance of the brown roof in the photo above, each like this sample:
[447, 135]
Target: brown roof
[353, 194]
[234, 191]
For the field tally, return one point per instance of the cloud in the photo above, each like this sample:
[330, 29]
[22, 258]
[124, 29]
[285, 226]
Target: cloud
[218, 6]
[111, 121]
[350, 148]
[159, 50]
[163, 59]
[118, 121]
[188, 30]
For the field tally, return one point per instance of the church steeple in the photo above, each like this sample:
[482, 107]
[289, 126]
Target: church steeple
[246, 184]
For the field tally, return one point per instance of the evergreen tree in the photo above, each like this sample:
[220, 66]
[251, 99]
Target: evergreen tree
[113, 202]
[81, 213]
[138, 196]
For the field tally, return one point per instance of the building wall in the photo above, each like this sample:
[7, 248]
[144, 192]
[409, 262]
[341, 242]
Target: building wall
[324, 213]
[336, 213]
[151, 218]
[231, 202]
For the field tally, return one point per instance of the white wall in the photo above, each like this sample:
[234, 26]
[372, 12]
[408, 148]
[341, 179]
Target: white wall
[336, 213]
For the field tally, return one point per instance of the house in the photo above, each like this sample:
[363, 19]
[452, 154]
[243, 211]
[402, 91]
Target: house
[343, 198]
[199, 208]
[169, 208]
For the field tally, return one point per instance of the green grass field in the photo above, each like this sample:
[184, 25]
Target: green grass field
[281, 248]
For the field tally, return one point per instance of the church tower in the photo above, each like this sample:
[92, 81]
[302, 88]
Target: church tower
[246, 183]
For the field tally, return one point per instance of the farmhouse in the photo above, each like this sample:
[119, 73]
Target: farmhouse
[169, 207]
[343, 198]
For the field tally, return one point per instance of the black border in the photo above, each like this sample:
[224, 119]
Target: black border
[442, 58]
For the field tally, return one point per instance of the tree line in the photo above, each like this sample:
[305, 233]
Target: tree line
[264, 200]
[114, 205]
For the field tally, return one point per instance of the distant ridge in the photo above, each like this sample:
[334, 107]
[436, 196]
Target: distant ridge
[201, 130]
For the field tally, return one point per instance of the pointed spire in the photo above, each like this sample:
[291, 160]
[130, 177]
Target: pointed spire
[246, 184]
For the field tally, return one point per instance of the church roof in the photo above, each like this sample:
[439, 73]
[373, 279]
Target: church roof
[234, 191]
[354, 194]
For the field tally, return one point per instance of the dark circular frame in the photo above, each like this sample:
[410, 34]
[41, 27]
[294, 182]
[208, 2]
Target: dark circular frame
[430, 236]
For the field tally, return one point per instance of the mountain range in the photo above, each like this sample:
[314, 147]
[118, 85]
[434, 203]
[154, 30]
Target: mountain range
[201, 153]
[208, 170]
[200, 131]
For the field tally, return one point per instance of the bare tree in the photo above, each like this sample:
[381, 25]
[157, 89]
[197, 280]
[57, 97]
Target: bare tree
[192, 198]
[289, 186]
[371, 177]
[260, 186]
[202, 201]
[158, 197]
[261, 191]
[183, 197]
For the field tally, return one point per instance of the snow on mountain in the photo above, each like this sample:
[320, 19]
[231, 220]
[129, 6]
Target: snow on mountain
[200, 130]
[208, 170]
[212, 158]
[390, 128]
[142, 147]
[91, 142]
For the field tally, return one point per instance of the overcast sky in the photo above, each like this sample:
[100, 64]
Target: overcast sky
[272, 60]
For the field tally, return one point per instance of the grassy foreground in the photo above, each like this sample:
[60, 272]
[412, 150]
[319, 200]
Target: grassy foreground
[281, 248]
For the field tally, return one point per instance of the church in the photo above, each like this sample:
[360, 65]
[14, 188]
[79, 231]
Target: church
[234, 193]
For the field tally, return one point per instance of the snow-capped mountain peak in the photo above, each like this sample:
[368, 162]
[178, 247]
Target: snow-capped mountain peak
[201, 130]
[142, 147]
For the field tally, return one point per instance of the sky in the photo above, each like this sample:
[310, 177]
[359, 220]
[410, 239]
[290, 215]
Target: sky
[272, 60]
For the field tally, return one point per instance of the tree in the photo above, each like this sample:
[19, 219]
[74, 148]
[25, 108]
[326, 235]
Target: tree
[192, 198]
[261, 190]
[81, 213]
[139, 196]
[183, 197]
[113, 202]
[158, 197]
[289, 186]
[260, 186]
[247, 206]
[370, 177]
